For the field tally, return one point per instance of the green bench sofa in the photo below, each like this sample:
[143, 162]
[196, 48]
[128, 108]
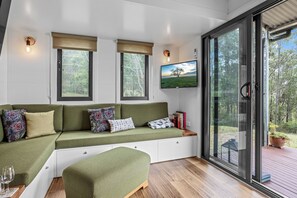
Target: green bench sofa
[72, 125]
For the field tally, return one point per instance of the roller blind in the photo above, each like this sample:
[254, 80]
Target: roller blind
[125, 46]
[76, 42]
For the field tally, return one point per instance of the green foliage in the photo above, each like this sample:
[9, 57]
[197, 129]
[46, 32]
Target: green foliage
[293, 140]
[134, 75]
[177, 72]
[279, 135]
[75, 73]
[289, 127]
[224, 78]
[272, 127]
[186, 81]
[283, 82]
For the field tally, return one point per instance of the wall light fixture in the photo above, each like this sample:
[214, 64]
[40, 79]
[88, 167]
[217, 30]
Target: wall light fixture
[29, 42]
[167, 55]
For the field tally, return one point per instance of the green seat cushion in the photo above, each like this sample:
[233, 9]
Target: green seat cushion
[3, 107]
[58, 116]
[114, 173]
[76, 117]
[143, 113]
[27, 157]
[87, 138]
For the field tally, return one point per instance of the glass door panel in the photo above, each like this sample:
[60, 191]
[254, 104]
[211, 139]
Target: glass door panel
[229, 94]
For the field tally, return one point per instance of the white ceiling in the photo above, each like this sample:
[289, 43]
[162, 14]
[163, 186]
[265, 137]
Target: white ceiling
[171, 22]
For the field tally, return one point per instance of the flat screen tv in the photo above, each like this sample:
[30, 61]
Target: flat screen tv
[179, 75]
[4, 10]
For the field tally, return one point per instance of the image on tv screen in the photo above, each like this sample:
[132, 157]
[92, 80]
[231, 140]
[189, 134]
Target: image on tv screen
[179, 75]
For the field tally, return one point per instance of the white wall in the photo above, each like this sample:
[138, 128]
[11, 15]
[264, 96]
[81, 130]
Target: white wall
[31, 77]
[27, 73]
[3, 72]
[158, 94]
[190, 98]
[106, 71]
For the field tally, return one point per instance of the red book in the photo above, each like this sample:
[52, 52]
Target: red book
[184, 119]
[178, 121]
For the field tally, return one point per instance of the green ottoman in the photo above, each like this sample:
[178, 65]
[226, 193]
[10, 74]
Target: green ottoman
[116, 173]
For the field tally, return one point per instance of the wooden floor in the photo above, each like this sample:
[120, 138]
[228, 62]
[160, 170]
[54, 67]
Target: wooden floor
[282, 165]
[187, 178]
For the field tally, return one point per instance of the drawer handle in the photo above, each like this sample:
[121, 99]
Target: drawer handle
[47, 167]
[135, 147]
[85, 153]
[177, 142]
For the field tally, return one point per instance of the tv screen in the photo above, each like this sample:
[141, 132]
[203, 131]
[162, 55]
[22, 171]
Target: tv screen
[4, 10]
[179, 75]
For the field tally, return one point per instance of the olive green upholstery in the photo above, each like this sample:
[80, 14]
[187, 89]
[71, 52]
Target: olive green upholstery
[3, 107]
[58, 116]
[73, 139]
[143, 113]
[76, 117]
[114, 173]
[27, 156]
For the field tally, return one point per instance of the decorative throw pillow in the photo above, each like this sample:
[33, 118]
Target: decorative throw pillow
[14, 124]
[40, 124]
[99, 118]
[121, 125]
[161, 123]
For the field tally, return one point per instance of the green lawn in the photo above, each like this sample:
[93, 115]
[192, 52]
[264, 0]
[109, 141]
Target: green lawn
[293, 140]
[174, 82]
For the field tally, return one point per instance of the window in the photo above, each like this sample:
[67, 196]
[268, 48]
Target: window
[74, 75]
[134, 76]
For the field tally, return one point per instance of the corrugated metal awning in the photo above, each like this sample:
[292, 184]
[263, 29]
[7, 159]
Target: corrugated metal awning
[281, 16]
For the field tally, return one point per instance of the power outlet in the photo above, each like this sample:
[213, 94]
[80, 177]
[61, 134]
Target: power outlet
[188, 123]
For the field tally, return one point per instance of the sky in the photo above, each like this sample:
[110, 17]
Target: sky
[291, 42]
[188, 67]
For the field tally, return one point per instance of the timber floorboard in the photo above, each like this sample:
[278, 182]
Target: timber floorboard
[187, 178]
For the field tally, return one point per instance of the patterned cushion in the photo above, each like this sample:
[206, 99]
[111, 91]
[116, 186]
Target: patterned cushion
[99, 118]
[14, 124]
[160, 124]
[121, 125]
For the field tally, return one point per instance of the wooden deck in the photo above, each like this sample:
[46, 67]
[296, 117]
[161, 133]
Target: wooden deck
[282, 165]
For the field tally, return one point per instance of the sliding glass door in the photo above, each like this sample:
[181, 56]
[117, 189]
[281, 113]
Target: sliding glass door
[229, 92]
[236, 93]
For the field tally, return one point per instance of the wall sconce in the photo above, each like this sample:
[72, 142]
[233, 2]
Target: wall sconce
[167, 54]
[29, 42]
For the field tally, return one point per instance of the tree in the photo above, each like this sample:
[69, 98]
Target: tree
[177, 72]
[134, 75]
[282, 80]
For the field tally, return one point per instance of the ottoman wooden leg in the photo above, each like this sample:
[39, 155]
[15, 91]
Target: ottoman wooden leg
[141, 186]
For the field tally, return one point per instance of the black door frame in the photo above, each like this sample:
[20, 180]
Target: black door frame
[252, 15]
[245, 59]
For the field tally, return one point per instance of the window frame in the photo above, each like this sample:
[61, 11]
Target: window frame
[59, 79]
[146, 76]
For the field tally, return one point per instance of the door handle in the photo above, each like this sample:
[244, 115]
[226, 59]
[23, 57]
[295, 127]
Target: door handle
[247, 95]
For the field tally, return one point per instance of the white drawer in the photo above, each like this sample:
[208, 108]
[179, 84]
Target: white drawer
[177, 148]
[149, 147]
[66, 157]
